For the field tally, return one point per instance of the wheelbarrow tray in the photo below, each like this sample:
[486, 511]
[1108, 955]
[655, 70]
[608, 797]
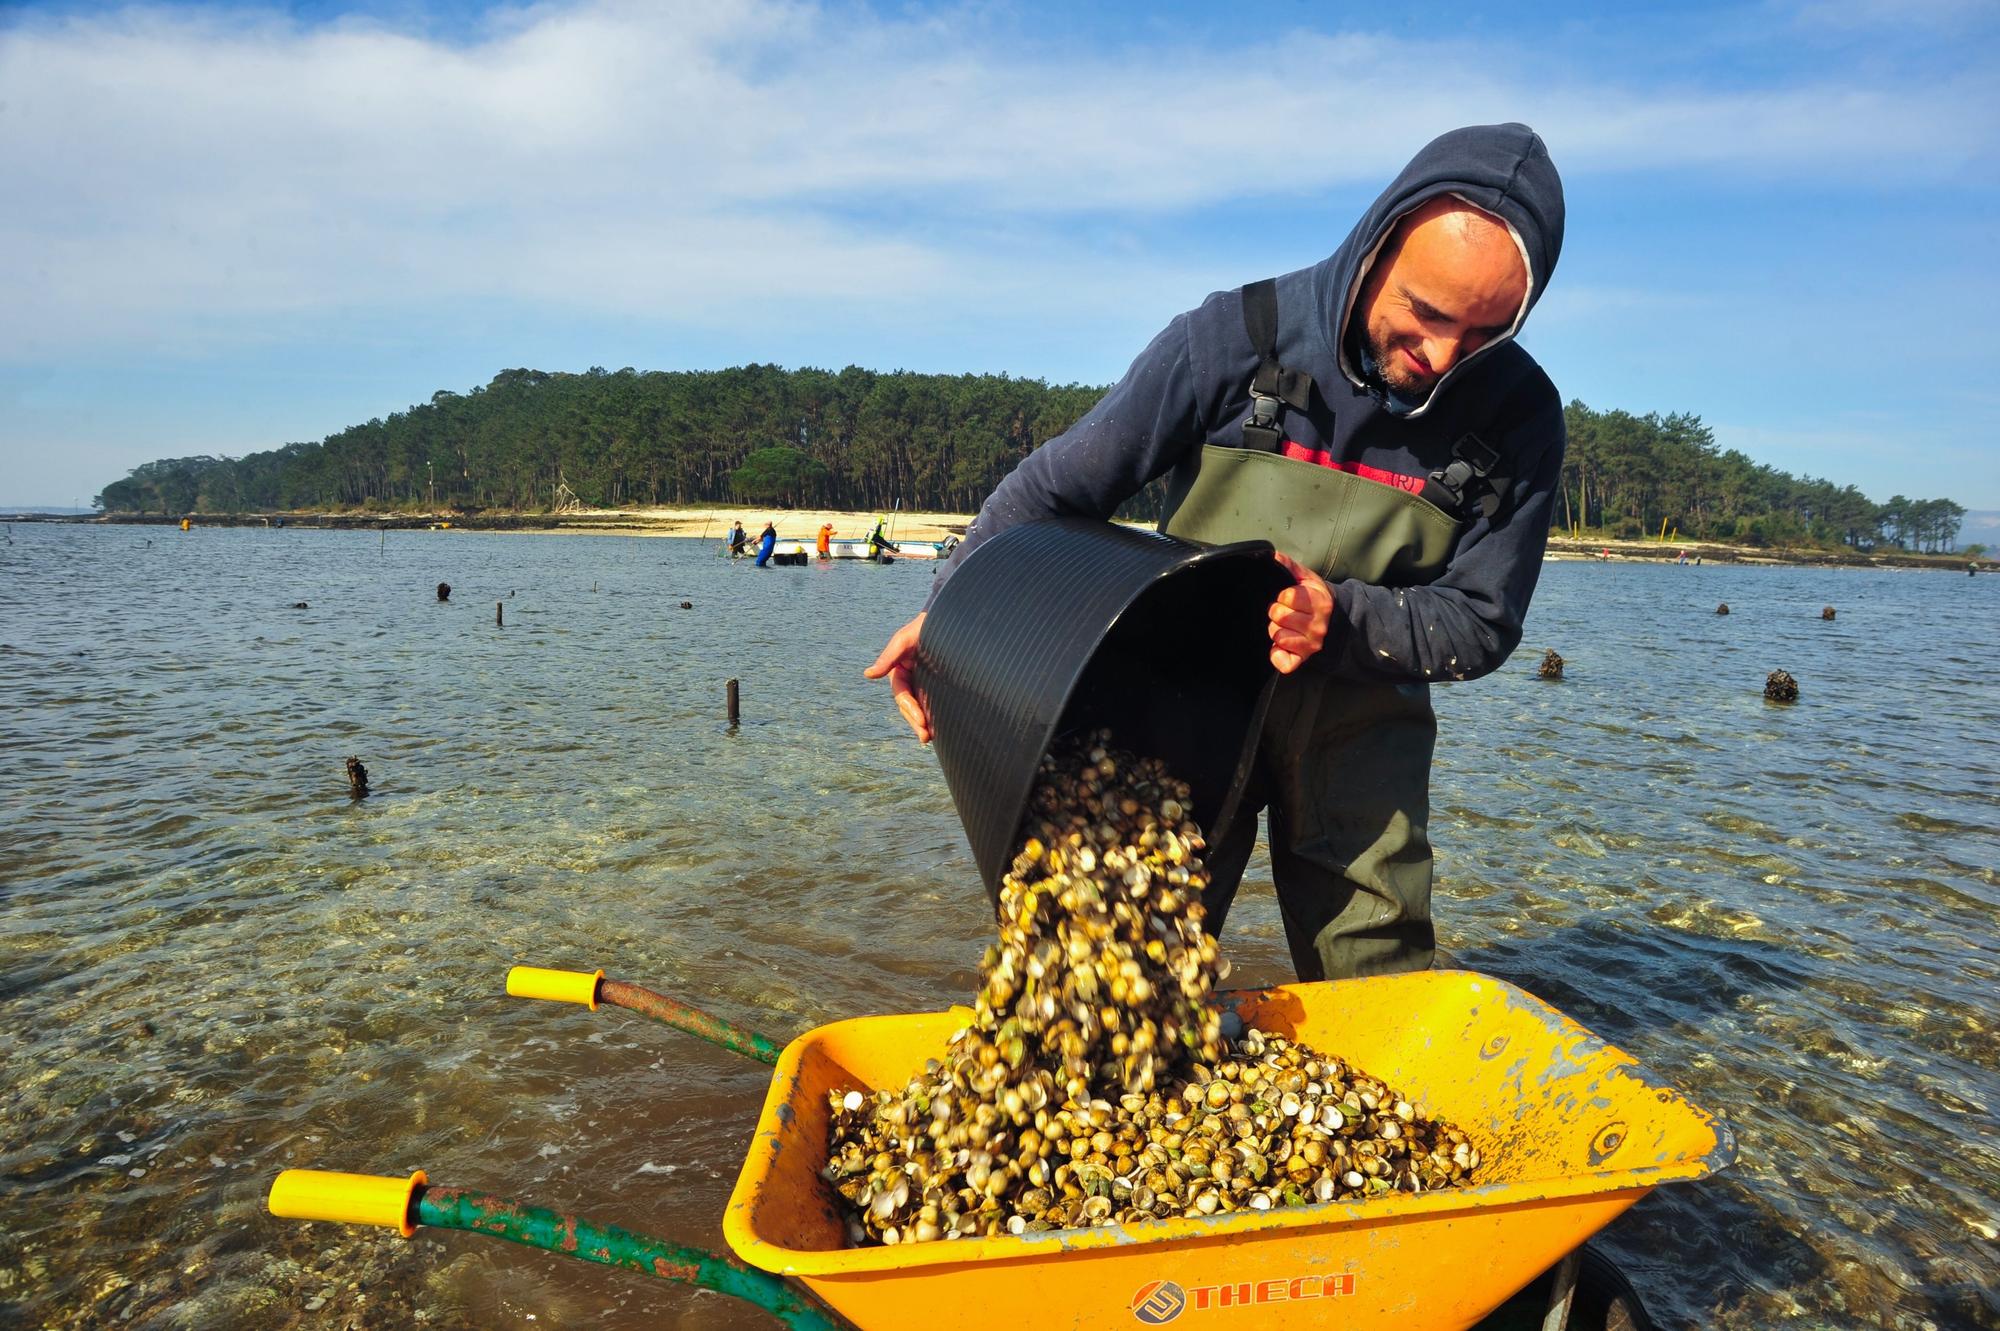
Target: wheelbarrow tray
[1570, 1132]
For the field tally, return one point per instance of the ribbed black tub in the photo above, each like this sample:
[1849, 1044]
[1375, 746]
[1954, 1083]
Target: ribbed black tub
[1058, 626]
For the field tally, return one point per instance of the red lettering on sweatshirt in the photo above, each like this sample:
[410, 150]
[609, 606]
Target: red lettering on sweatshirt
[1319, 458]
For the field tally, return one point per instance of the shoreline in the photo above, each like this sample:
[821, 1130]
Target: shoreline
[1644, 550]
[712, 522]
[696, 521]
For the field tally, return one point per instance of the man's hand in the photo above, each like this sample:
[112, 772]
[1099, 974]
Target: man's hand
[897, 660]
[1298, 617]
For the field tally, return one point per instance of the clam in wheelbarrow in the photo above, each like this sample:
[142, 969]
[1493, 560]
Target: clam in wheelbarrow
[1571, 1130]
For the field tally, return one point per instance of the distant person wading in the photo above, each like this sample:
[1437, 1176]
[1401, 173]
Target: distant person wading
[879, 546]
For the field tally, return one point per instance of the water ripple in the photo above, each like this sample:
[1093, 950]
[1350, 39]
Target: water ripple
[214, 964]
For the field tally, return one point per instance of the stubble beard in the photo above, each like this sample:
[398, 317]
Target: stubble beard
[1389, 369]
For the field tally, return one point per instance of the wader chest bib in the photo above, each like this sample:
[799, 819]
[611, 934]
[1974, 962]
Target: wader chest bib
[1344, 765]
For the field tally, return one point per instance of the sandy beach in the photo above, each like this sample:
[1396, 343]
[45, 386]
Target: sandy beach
[794, 524]
[711, 521]
[804, 524]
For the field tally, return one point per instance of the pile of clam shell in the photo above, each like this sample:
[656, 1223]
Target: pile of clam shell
[1094, 1085]
[1103, 975]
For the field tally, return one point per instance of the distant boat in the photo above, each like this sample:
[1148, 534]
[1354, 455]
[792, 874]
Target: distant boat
[858, 549]
[855, 549]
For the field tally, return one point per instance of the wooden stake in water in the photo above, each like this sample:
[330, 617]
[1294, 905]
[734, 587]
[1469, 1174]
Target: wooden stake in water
[499, 614]
[735, 711]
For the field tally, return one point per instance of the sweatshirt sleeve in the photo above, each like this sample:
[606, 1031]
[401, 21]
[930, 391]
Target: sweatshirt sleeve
[1468, 622]
[1137, 431]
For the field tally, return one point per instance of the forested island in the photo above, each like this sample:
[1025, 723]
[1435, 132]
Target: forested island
[863, 440]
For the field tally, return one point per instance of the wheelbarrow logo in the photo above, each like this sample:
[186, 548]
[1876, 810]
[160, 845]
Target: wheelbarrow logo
[1161, 1301]
[1158, 1302]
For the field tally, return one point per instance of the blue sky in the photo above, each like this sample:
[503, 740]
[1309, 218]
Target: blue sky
[233, 226]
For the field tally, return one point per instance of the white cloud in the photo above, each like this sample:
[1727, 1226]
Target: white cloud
[177, 178]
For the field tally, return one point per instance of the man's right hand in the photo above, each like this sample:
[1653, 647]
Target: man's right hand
[898, 660]
[1299, 617]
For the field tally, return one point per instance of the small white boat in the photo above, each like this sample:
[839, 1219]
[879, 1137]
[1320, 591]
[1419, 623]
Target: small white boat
[858, 549]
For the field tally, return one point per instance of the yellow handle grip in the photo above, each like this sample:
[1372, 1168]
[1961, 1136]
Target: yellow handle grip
[352, 1199]
[556, 986]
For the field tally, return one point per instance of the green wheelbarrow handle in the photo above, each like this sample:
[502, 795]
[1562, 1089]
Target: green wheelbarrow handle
[407, 1204]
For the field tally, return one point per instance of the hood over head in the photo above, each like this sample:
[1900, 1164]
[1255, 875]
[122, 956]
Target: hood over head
[1502, 169]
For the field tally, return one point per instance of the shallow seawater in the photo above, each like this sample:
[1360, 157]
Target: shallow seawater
[215, 965]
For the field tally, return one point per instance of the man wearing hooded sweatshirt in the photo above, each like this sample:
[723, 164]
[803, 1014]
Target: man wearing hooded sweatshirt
[1373, 418]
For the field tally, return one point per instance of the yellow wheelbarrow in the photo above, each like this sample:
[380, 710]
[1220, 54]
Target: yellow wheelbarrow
[1571, 1132]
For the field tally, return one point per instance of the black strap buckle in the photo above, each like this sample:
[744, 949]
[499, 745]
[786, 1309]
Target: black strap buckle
[1272, 386]
[1467, 481]
[1476, 453]
[1262, 430]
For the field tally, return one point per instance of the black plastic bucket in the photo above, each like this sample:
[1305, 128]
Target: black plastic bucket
[1058, 626]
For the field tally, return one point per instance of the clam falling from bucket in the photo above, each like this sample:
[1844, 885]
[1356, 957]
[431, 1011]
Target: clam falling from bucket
[1061, 627]
[1093, 1085]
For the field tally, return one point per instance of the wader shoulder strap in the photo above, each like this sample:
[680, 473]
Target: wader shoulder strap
[1272, 387]
[1473, 483]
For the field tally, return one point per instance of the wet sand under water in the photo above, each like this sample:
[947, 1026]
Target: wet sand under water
[214, 965]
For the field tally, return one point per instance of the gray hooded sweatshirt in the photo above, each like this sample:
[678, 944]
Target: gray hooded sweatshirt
[1192, 386]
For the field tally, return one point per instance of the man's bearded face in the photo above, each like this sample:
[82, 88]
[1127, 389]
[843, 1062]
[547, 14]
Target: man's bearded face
[1448, 282]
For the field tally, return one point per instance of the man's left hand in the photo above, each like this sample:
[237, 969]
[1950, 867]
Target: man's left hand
[1299, 616]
